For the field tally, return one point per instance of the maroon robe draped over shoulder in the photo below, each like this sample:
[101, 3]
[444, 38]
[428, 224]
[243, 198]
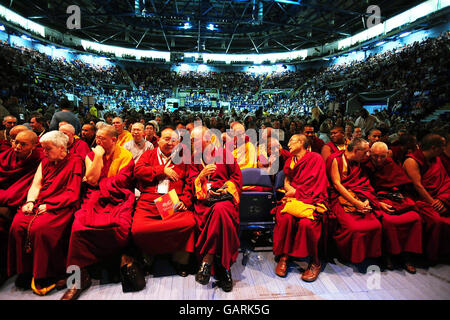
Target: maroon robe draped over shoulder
[102, 226]
[150, 232]
[402, 232]
[437, 227]
[80, 147]
[445, 159]
[317, 144]
[46, 235]
[16, 176]
[299, 237]
[218, 224]
[357, 237]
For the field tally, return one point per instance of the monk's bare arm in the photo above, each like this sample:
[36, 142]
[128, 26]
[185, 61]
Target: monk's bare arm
[93, 169]
[336, 179]
[290, 190]
[412, 170]
[36, 185]
[326, 151]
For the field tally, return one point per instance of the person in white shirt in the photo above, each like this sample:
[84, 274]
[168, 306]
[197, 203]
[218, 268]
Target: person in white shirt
[138, 145]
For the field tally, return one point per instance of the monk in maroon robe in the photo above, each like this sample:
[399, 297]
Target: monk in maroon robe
[402, 225]
[405, 145]
[214, 173]
[354, 205]
[338, 142]
[297, 234]
[39, 233]
[315, 143]
[76, 145]
[156, 175]
[17, 168]
[102, 226]
[9, 122]
[432, 185]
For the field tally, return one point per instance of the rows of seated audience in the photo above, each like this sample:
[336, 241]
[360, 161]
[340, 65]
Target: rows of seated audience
[417, 72]
[85, 194]
[78, 185]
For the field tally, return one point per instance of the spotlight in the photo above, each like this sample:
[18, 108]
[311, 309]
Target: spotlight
[211, 27]
[187, 25]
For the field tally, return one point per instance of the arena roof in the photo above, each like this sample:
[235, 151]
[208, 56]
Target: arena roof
[210, 26]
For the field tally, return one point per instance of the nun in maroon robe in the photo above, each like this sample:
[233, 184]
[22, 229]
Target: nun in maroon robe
[294, 236]
[217, 223]
[434, 178]
[151, 233]
[357, 235]
[39, 233]
[402, 227]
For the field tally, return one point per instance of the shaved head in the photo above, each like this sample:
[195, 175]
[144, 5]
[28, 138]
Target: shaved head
[109, 130]
[379, 147]
[25, 142]
[15, 130]
[379, 153]
[29, 135]
[67, 127]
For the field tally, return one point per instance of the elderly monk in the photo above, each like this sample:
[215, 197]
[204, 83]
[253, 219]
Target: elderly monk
[402, 225]
[5, 140]
[432, 185]
[138, 145]
[102, 226]
[354, 205]
[40, 230]
[445, 155]
[215, 174]
[156, 175]
[272, 156]
[17, 168]
[338, 142]
[75, 145]
[124, 135]
[315, 143]
[243, 149]
[299, 218]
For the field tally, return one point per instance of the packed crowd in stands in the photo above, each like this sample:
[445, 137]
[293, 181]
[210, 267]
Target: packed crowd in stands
[357, 185]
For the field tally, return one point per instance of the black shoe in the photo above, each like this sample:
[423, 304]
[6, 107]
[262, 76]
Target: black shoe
[182, 269]
[23, 281]
[224, 278]
[203, 274]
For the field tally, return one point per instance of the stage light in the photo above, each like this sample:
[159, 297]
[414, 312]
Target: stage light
[211, 27]
[2, 28]
[380, 43]
[24, 37]
[187, 25]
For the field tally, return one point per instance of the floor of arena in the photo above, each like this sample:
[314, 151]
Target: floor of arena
[257, 281]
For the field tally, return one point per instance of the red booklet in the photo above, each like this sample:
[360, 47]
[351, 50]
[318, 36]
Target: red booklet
[166, 204]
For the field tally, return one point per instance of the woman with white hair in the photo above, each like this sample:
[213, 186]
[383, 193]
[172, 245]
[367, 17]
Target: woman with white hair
[38, 237]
